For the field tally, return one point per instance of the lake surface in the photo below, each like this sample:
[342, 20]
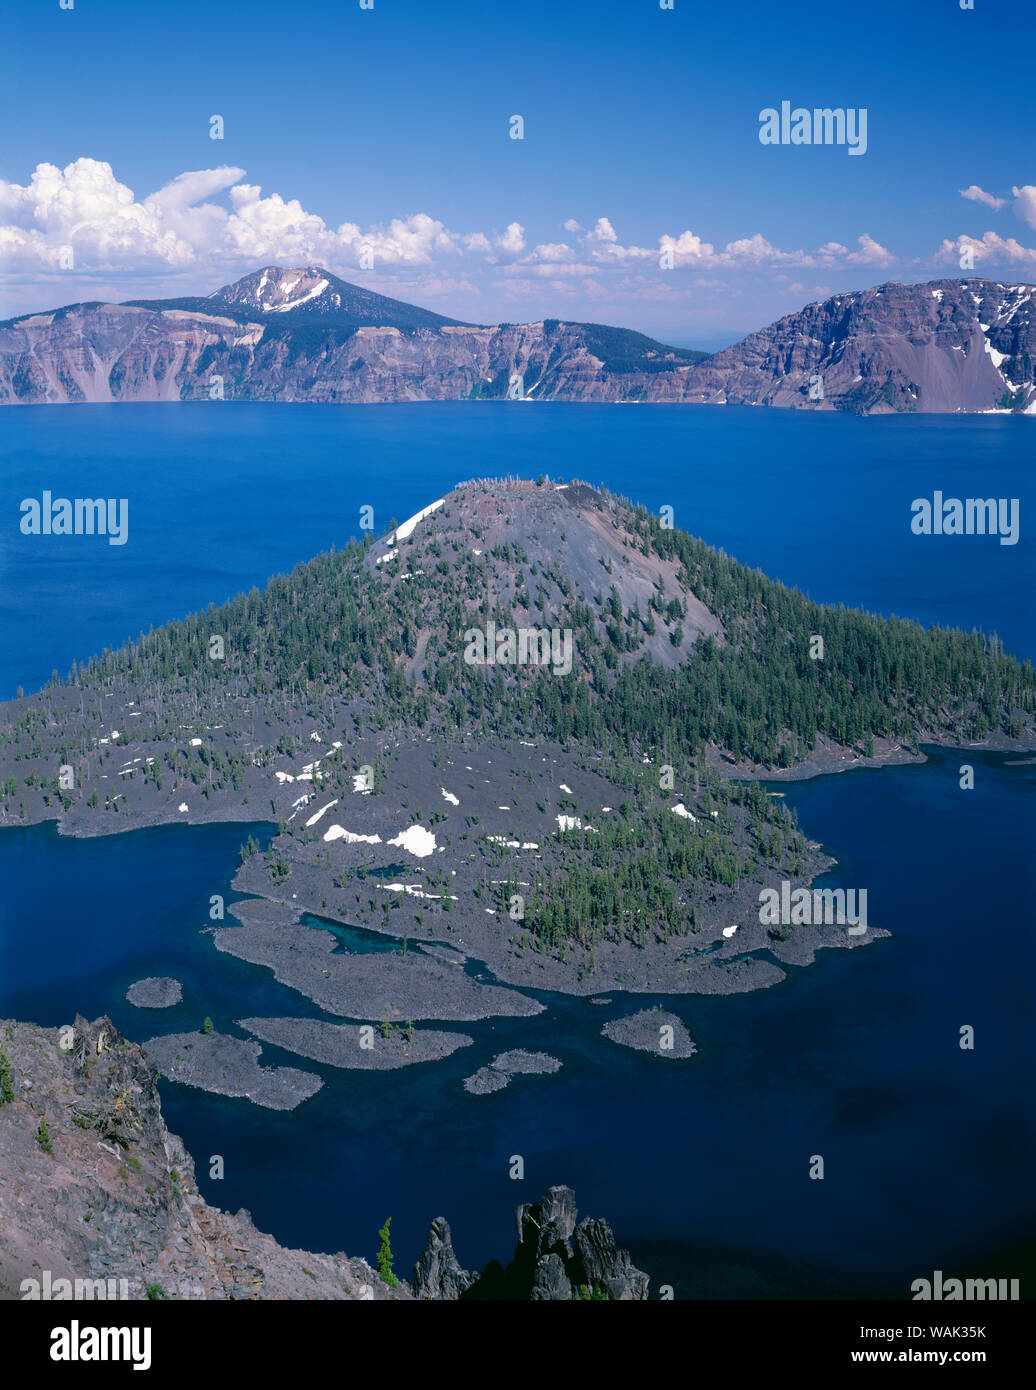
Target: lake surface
[222, 495]
[701, 1166]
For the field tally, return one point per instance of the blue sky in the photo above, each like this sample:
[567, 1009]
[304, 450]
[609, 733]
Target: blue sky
[389, 129]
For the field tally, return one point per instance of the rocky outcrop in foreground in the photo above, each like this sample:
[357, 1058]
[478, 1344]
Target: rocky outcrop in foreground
[96, 1188]
[96, 1191]
[555, 1259]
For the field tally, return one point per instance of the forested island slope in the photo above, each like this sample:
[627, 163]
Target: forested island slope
[576, 822]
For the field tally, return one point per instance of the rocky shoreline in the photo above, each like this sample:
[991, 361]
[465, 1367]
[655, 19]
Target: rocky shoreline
[356, 1048]
[507, 1065]
[652, 1030]
[156, 992]
[390, 985]
[227, 1066]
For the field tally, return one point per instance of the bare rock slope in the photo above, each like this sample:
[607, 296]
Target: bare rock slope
[114, 1196]
[95, 1189]
[302, 334]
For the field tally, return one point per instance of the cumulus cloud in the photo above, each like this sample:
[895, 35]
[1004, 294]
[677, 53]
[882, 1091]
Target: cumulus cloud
[1024, 207]
[601, 246]
[212, 219]
[513, 240]
[978, 195]
[992, 247]
[870, 253]
[85, 208]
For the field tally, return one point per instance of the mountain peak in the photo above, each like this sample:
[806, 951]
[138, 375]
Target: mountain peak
[276, 289]
[315, 293]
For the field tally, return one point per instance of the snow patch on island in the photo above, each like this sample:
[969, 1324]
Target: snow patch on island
[338, 832]
[402, 532]
[414, 892]
[416, 840]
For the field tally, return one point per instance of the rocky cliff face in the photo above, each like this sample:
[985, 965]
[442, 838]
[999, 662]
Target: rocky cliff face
[305, 335]
[114, 1196]
[95, 1189]
[949, 345]
[556, 1259]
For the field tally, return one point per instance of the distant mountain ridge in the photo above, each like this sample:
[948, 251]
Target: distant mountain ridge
[310, 294]
[303, 334]
[944, 346]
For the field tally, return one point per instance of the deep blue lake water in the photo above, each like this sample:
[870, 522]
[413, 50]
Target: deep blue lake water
[701, 1166]
[221, 496]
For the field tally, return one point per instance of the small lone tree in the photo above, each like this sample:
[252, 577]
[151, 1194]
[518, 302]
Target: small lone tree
[385, 1256]
[6, 1081]
[208, 1026]
[43, 1138]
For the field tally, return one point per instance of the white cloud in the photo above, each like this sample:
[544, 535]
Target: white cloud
[992, 247]
[513, 240]
[870, 253]
[1025, 203]
[83, 206]
[212, 220]
[977, 195]
[750, 253]
[550, 251]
